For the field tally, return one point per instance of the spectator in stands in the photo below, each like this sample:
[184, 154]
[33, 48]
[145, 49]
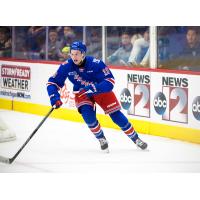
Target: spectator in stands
[5, 43]
[68, 36]
[121, 55]
[135, 37]
[170, 43]
[189, 58]
[95, 44]
[140, 53]
[34, 41]
[54, 46]
[20, 46]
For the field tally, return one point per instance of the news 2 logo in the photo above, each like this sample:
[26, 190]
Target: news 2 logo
[172, 104]
[196, 108]
[125, 99]
[137, 95]
[136, 99]
[160, 103]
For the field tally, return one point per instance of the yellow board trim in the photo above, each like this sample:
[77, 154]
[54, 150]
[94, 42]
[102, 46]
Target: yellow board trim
[180, 133]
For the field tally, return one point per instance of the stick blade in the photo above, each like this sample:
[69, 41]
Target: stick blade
[5, 160]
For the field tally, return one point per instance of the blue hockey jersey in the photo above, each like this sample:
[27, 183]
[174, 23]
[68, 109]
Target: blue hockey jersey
[91, 72]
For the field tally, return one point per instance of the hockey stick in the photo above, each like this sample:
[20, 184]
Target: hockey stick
[10, 160]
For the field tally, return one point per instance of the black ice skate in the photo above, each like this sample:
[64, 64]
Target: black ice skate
[141, 144]
[104, 144]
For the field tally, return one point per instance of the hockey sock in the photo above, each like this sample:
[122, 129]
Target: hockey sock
[89, 116]
[121, 120]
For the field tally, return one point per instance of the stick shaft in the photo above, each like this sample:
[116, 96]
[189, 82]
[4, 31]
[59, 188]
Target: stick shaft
[10, 160]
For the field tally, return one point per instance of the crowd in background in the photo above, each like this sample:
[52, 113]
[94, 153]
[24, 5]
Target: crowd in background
[5, 42]
[177, 47]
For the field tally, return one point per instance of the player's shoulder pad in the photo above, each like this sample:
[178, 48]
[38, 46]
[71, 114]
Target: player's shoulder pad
[95, 60]
[91, 59]
[65, 62]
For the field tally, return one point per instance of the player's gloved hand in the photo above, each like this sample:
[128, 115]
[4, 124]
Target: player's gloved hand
[55, 101]
[87, 91]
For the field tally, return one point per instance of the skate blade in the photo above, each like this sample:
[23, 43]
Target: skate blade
[143, 149]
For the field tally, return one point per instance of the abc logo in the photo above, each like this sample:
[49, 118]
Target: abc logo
[196, 108]
[125, 99]
[160, 103]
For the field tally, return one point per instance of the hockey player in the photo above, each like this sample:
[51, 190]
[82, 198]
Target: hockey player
[92, 84]
[6, 134]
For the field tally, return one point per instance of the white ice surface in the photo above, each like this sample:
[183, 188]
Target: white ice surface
[65, 146]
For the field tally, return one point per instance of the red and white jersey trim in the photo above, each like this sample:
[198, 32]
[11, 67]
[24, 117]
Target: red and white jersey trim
[84, 103]
[112, 110]
[129, 131]
[111, 80]
[96, 129]
[51, 83]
